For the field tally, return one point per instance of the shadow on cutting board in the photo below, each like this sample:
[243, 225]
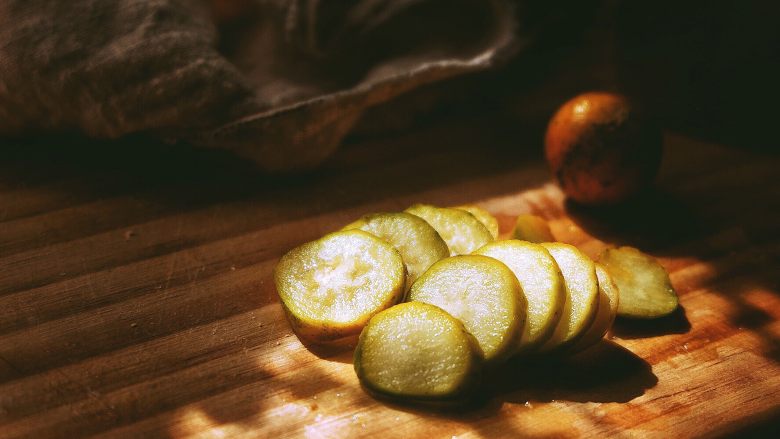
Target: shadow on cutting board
[674, 323]
[655, 220]
[606, 372]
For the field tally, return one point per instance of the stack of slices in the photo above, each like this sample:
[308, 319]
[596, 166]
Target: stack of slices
[433, 298]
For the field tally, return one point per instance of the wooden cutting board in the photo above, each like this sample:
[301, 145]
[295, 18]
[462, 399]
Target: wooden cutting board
[136, 297]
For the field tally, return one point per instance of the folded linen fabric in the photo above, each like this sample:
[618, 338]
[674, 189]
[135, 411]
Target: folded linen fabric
[282, 83]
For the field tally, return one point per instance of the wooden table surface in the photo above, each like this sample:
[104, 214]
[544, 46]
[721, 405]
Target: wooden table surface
[136, 297]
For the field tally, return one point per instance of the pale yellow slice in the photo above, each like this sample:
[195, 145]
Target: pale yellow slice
[542, 284]
[489, 221]
[582, 295]
[462, 232]
[329, 288]
[417, 351]
[482, 293]
[607, 310]
[645, 289]
[419, 243]
[532, 228]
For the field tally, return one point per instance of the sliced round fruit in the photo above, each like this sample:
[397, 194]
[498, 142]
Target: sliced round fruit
[608, 284]
[462, 232]
[482, 293]
[330, 287]
[542, 284]
[532, 228]
[489, 221]
[419, 243]
[645, 289]
[417, 351]
[605, 316]
[582, 295]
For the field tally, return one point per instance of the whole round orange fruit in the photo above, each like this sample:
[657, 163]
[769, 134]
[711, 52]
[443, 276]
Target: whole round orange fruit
[601, 149]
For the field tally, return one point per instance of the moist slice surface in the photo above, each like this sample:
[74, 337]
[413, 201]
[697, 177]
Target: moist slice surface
[417, 351]
[489, 221]
[482, 293]
[462, 232]
[605, 316]
[645, 289]
[582, 298]
[418, 243]
[330, 287]
[542, 284]
[532, 228]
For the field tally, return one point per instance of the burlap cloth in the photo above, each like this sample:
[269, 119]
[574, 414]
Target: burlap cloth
[282, 84]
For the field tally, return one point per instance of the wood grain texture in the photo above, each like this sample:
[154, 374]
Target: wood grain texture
[136, 297]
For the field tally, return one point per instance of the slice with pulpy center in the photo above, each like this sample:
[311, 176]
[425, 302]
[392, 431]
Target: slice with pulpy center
[419, 243]
[481, 292]
[582, 298]
[417, 351]
[541, 282]
[330, 287]
[462, 232]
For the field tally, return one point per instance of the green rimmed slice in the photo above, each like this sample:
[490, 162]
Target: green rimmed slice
[532, 228]
[582, 298]
[462, 232]
[417, 351]
[609, 286]
[419, 243]
[481, 292]
[646, 291]
[489, 221]
[542, 284]
[609, 298]
[330, 287]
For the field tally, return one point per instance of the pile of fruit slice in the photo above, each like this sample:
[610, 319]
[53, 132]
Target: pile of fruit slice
[432, 297]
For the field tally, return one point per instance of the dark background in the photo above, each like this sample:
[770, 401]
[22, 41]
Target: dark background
[706, 68]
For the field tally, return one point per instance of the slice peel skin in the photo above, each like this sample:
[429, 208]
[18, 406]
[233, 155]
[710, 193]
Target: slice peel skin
[532, 228]
[415, 351]
[486, 218]
[609, 298]
[646, 292]
[611, 288]
[330, 288]
[542, 283]
[481, 292]
[418, 243]
[462, 232]
[582, 295]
